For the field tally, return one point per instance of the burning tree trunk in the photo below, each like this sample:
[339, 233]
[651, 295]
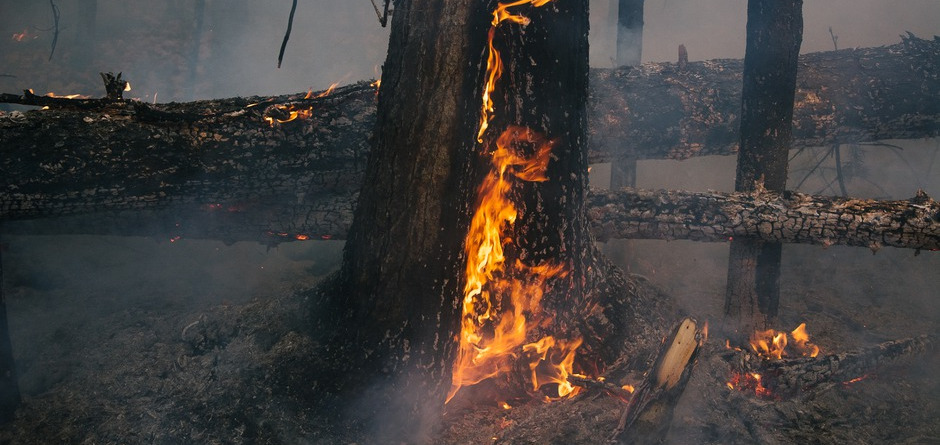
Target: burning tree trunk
[445, 283]
[774, 34]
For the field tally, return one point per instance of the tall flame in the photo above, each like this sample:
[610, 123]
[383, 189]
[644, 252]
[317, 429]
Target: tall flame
[502, 300]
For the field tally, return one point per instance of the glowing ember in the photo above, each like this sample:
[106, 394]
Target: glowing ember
[749, 382]
[20, 36]
[68, 96]
[502, 299]
[773, 344]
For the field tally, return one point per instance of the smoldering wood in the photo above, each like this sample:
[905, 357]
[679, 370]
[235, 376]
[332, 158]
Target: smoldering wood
[846, 96]
[790, 377]
[787, 217]
[128, 164]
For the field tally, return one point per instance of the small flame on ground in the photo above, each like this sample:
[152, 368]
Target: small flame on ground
[855, 380]
[127, 86]
[773, 344]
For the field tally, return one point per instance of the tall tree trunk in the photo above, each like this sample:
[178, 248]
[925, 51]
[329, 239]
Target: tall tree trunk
[629, 51]
[774, 35]
[9, 388]
[399, 283]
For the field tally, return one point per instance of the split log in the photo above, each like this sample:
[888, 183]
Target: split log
[788, 217]
[647, 416]
[792, 376]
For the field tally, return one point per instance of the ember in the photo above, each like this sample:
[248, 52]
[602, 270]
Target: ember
[749, 382]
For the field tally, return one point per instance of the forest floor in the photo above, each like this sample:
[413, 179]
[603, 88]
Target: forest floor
[129, 340]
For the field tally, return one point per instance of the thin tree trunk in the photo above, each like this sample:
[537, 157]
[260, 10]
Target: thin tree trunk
[629, 51]
[774, 34]
[9, 388]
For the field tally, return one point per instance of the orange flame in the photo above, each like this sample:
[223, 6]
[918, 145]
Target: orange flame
[773, 344]
[750, 381]
[69, 96]
[20, 36]
[494, 64]
[502, 302]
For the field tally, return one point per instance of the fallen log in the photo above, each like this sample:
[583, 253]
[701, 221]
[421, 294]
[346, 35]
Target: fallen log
[662, 110]
[667, 111]
[788, 217]
[788, 377]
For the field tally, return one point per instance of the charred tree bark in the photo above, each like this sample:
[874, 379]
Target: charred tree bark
[774, 35]
[845, 96]
[394, 305]
[9, 388]
[787, 217]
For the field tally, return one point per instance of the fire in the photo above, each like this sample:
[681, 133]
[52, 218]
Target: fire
[20, 36]
[291, 112]
[502, 299]
[494, 64]
[773, 344]
[750, 381]
[68, 96]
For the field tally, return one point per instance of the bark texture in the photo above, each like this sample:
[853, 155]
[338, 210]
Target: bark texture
[786, 217]
[845, 96]
[9, 386]
[774, 35]
[394, 305]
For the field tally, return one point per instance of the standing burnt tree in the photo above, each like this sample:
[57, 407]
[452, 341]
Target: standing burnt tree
[774, 35]
[402, 291]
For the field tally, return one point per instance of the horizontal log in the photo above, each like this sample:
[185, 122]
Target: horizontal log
[855, 95]
[217, 169]
[787, 217]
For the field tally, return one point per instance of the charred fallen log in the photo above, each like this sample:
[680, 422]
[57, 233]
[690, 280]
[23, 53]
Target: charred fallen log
[793, 376]
[130, 164]
[787, 217]
[845, 96]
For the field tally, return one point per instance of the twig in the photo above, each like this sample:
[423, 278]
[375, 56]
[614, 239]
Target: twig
[836, 150]
[835, 39]
[290, 24]
[55, 35]
[383, 16]
[7, 75]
